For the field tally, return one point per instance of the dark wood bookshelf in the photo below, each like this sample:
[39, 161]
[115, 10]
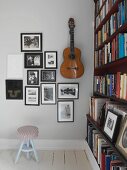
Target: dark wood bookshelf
[119, 65]
[113, 9]
[122, 29]
[112, 67]
[112, 145]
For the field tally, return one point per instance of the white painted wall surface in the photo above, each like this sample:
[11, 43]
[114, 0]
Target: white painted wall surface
[51, 18]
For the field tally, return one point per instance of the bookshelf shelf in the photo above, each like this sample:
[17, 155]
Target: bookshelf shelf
[111, 97]
[100, 129]
[112, 67]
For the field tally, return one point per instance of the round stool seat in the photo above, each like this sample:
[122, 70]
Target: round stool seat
[28, 132]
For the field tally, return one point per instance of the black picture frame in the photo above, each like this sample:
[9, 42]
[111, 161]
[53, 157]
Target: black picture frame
[48, 93]
[32, 95]
[65, 111]
[33, 60]
[50, 58]
[31, 42]
[121, 142]
[68, 90]
[112, 125]
[48, 75]
[32, 77]
[14, 89]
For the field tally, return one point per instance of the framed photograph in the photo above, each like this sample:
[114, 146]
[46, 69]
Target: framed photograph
[32, 95]
[68, 90]
[14, 89]
[48, 75]
[31, 42]
[33, 60]
[33, 77]
[48, 93]
[121, 142]
[50, 59]
[65, 111]
[112, 125]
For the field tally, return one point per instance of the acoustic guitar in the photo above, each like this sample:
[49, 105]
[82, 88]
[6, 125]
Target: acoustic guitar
[72, 66]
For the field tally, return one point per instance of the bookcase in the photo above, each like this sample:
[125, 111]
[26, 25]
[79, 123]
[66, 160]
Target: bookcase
[110, 59]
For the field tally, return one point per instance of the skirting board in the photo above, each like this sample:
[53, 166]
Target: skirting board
[90, 156]
[45, 144]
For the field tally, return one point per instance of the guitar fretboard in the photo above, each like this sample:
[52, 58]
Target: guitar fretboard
[72, 55]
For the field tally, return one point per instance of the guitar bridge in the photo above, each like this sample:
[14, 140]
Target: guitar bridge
[72, 68]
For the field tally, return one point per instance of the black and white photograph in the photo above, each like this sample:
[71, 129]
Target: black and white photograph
[33, 60]
[68, 90]
[31, 42]
[48, 93]
[50, 59]
[32, 95]
[112, 125]
[14, 89]
[65, 111]
[33, 77]
[48, 75]
[121, 142]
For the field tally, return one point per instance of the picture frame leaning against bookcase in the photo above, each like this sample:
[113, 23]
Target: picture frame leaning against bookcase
[110, 66]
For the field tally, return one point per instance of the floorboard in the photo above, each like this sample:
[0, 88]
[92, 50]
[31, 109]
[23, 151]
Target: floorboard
[48, 160]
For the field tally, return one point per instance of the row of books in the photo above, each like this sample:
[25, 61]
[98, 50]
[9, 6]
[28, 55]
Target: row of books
[98, 5]
[112, 85]
[100, 105]
[104, 154]
[118, 18]
[112, 51]
[116, 21]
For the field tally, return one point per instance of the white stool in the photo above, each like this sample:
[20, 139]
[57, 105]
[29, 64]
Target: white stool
[27, 134]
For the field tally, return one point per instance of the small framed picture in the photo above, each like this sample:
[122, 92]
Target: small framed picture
[65, 111]
[121, 142]
[48, 93]
[33, 77]
[68, 90]
[31, 42]
[33, 60]
[48, 75]
[50, 59]
[14, 89]
[112, 125]
[32, 95]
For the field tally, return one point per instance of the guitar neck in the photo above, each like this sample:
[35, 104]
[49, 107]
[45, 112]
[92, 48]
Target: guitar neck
[72, 42]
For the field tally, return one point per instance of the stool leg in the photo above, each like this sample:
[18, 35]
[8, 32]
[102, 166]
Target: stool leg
[28, 145]
[35, 153]
[19, 151]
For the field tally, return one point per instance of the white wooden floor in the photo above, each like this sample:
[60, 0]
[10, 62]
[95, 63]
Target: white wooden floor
[48, 160]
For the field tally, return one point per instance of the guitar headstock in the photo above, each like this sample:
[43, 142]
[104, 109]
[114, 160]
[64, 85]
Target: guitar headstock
[71, 23]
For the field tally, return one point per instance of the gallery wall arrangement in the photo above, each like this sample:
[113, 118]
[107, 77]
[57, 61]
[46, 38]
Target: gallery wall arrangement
[41, 88]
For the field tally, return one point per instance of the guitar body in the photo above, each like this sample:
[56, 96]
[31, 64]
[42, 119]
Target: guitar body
[72, 67]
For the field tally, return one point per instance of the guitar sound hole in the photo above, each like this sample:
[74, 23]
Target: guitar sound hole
[72, 56]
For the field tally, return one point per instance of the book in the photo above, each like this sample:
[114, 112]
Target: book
[103, 154]
[107, 162]
[101, 141]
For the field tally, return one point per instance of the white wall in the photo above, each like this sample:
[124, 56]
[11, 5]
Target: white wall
[49, 17]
